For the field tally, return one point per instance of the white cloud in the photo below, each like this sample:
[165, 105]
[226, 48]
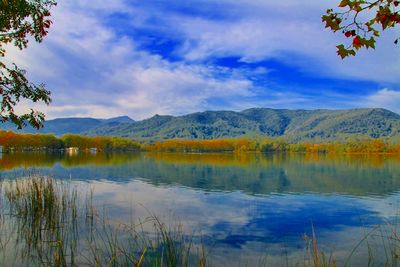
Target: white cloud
[290, 31]
[384, 98]
[100, 74]
[94, 71]
[72, 110]
[174, 89]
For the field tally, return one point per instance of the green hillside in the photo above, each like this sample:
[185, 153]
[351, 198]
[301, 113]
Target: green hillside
[295, 125]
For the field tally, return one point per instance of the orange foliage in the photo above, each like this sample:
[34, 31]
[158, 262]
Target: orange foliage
[17, 142]
[372, 146]
[11, 140]
[14, 141]
[215, 145]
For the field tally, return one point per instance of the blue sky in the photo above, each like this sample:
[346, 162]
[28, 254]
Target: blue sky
[140, 58]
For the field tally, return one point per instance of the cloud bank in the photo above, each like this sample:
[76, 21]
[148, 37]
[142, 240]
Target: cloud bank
[140, 58]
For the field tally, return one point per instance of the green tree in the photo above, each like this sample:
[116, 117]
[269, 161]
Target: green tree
[362, 21]
[20, 21]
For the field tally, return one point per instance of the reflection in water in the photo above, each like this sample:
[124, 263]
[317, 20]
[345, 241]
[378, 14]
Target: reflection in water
[29, 160]
[245, 206]
[249, 173]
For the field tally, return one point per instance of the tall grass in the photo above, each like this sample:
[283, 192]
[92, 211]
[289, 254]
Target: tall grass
[314, 257]
[52, 228]
[131, 245]
[381, 244]
[45, 214]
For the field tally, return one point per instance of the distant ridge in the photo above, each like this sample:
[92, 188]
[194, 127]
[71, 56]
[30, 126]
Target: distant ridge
[70, 125]
[294, 125]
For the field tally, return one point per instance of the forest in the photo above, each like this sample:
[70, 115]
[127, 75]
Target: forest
[10, 141]
[364, 146]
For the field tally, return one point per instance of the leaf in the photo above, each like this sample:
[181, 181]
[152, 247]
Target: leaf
[348, 34]
[370, 43]
[344, 3]
[342, 52]
[357, 44]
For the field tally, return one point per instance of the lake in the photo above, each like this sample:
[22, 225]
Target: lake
[245, 208]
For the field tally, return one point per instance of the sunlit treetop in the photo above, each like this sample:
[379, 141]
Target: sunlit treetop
[361, 22]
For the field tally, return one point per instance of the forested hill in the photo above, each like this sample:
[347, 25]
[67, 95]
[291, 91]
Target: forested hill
[295, 125]
[70, 125]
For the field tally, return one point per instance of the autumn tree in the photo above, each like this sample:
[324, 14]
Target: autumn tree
[20, 22]
[362, 21]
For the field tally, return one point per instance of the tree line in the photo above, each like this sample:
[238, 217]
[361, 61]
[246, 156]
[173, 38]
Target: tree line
[364, 146]
[10, 141]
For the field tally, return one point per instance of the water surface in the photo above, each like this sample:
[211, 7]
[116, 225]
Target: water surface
[246, 207]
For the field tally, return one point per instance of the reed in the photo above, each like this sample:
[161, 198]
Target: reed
[54, 229]
[45, 214]
[314, 257]
[131, 245]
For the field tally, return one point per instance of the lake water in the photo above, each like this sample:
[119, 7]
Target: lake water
[246, 208]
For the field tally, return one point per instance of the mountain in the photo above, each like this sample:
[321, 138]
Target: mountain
[295, 125]
[120, 119]
[71, 125]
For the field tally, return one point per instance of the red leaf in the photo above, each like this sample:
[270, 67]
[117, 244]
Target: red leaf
[356, 42]
[348, 34]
